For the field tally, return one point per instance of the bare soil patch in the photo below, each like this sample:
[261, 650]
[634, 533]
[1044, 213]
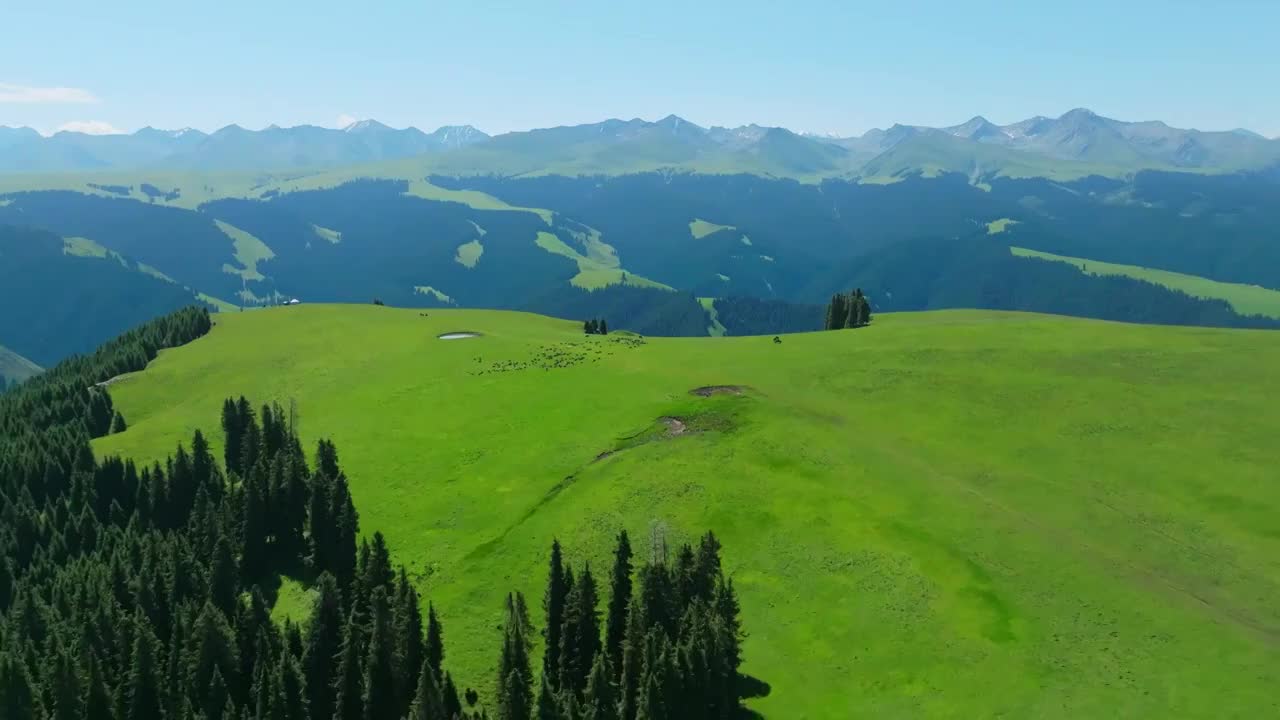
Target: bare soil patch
[675, 426]
[709, 390]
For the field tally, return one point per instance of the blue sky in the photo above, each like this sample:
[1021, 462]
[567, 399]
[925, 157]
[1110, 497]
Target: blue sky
[841, 67]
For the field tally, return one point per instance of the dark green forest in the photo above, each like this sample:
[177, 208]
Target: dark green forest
[980, 272]
[53, 305]
[144, 593]
[754, 316]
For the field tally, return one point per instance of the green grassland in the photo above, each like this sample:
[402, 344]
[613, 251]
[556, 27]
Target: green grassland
[469, 253]
[598, 264]
[995, 227]
[700, 228]
[249, 251]
[715, 329]
[1245, 299]
[949, 514]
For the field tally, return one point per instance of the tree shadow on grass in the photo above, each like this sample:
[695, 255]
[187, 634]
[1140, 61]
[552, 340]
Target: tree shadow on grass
[752, 687]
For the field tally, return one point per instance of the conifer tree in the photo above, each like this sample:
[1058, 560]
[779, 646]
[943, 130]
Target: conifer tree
[604, 327]
[253, 528]
[143, 697]
[554, 606]
[600, 700]
[321, 523]
[291, 688]
[409, 651]
[380, 697]
[323, 645]
[96, 703]
[224, 576]
[18, 697]
[428, 700]
[213, 650]
[63, 687]
[346, 529]
[632, 661]
[232, 434]
[452, 705]
[349, 682]
[619, 603]
[515, 678]
[434, 649]
[327, 459]
[118, 424]
[215, 699]
[580, 638]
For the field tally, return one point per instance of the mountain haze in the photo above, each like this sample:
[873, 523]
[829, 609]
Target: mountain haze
[1076, 144]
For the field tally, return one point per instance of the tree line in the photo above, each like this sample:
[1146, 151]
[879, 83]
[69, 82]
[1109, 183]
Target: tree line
[848, 310]
[143, 592]
[596, 327]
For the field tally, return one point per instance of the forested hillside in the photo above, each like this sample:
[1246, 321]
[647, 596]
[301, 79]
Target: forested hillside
[134, 592]
[54, 303]
[638, 249]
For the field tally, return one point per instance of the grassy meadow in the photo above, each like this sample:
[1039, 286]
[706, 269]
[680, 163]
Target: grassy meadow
[950, 514]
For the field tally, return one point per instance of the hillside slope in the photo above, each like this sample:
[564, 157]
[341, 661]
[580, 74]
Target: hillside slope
[945, 514]
[14, 367]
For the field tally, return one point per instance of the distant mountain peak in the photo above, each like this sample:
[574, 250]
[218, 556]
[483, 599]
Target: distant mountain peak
[1245, 132]
[366, 126]
[1079, 113]
[980, 129]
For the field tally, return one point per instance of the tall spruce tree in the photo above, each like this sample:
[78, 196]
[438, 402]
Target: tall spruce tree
[96, 703]
[18, 697]
[428, 700]
[435, 642]
[548, 707]
[323, 646]
[381, 701]
[619, 603]
[409, 651]
[554, 605]
[144, 699]
[349, 681]
[223, 583]
[599, 700]
[580, 637]
[346, 530]
[452, 705]
[63, 687]
[233, 435]
[515, 677]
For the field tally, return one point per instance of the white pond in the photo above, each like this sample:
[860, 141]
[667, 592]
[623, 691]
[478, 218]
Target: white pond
[458, 335]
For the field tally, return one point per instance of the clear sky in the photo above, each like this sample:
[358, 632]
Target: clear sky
[809, 65]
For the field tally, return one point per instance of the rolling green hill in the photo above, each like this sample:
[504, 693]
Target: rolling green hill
[1244, 299]
[952, 514]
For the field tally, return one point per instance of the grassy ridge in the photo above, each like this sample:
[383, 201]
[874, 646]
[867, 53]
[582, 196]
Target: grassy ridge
[1245, 299]
[955, 514]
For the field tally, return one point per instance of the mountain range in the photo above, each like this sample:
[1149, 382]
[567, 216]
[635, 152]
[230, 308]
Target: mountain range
[1076, 144]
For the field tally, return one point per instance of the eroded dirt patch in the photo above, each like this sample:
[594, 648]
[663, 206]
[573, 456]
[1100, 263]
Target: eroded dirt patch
[709, 390]
[675, 426]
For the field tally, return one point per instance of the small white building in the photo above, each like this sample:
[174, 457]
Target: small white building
[294, 301]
